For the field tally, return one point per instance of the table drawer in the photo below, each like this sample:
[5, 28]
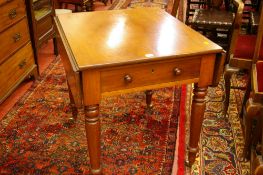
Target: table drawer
[15, 67]
[148, 74]
[13, 38]
[11, 12]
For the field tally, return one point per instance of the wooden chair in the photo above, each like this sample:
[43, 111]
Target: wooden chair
[241, 56]
[254, 111]
[256, 162]
[254, 108]
[158, 4]
[254, 105]
[85, 5]
[213, 19]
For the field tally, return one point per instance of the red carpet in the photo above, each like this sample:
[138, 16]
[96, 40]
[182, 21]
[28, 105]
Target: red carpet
[181, 146]
[36, 138]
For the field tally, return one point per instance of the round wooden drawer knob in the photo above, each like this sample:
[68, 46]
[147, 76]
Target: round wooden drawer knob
[127, 78]
[22, 64]
[17, 37]
[12, 14]
[177, 71]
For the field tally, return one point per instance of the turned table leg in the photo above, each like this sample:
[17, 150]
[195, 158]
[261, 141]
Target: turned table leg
[73, 108]
[91, 101]
[197, 115]
[92, 124]
[55, 46]
[149, 94]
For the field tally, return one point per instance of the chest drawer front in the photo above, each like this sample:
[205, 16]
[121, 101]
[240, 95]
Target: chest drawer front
[11, 12]
[13, 38]
[44, 29]
[44, 26]
[148, 74]
[14, 68]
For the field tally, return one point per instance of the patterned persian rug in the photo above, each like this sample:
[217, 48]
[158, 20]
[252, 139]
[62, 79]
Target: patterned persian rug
[222, 139]
[123, 4]
[35, 137]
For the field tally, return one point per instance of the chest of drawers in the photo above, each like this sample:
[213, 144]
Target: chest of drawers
[16, 56]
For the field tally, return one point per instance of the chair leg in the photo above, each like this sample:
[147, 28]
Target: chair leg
[55, 45]
[149, 94]
[246, 96]
[256, 164]
[252, 111]
[73, 107]
[256, 159]
[227, 77]
[256, 134]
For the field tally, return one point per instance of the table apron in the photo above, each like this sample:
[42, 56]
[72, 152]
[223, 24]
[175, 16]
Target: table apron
[153, 74]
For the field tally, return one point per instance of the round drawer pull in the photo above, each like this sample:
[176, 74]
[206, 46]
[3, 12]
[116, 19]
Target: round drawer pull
[177, 71]
[22, 64]
[17, 37]
[127, 78]
[12, 14]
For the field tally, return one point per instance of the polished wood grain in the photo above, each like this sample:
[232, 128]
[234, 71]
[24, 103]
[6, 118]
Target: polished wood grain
[252, 107]
[198, 104]
[73, 106]
[92, 124]
[130, 50]
[235, 64]
[149, 87]
[15, 69]
[73, 77]
[149, 73]
[253, 111]
[91, 100]
[16, 55]
[220, 63]
[256, 163]
[11, 12]
[155, 36]
[13, 38]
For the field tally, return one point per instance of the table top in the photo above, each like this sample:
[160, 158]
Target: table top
[117, 37]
